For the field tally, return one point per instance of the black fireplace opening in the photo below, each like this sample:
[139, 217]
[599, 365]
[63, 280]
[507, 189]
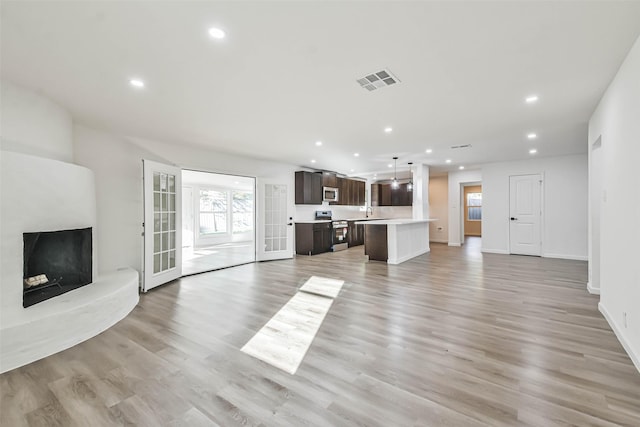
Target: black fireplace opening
[55, 262]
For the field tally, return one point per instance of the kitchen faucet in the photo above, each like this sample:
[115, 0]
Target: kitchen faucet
[368, 211]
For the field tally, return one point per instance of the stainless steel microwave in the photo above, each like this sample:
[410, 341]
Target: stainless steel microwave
[329, 194]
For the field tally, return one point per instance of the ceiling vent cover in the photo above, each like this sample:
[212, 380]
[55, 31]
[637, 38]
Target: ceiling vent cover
[453, 147]
[377, 80]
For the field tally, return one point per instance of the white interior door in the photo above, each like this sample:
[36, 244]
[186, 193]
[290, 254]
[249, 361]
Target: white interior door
[162, 224]
[274, 220]
[525, 214]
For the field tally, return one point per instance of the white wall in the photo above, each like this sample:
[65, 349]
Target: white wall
[564, 227]
[32, 124]
[617, 121]
[438, 208]
[456, 179]
[117, 164]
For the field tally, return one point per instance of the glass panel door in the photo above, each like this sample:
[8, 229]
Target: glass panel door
[276, 222]
[164, 223]
[275, 226]
[162, 229]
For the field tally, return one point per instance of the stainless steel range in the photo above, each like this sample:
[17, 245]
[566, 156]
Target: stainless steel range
[323, 215]
[340, 230]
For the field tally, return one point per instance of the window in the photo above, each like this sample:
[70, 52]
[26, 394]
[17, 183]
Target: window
[213, 212]
[474, 206]
[242, 211]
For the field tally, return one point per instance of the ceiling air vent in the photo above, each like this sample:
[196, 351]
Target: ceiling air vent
[461, 146]
[377, 80]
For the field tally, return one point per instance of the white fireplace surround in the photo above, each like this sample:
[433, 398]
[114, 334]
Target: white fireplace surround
[41, 194]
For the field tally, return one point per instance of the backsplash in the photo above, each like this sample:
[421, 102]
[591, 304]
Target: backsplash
[307, 212]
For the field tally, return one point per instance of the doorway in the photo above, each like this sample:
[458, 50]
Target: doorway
[218, 221]
[473, 211]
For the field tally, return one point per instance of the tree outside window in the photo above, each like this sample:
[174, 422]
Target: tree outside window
[213, 212]
[242, 211]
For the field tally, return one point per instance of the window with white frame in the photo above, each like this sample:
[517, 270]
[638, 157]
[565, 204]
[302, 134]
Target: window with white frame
[474, 206]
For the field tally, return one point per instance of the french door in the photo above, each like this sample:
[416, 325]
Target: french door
[162, 224]
[274, 220]
[525, 214]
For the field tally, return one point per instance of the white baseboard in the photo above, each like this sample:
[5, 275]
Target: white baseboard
[592, 290]
[454, 244]
[635, 358]
[495, 251]
[438, 241]
[565, 256]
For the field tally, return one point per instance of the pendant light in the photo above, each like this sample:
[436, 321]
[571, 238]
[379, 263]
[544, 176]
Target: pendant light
[410, 184]
[394, 183]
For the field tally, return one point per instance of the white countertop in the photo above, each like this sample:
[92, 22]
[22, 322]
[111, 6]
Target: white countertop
[359, 219]
[398, 221]
[314, 221]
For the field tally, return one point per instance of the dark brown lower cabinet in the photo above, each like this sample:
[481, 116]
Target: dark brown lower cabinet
[313, 238]
[355, 234]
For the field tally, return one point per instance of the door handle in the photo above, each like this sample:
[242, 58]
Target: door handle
[290, 223]
[514, 219]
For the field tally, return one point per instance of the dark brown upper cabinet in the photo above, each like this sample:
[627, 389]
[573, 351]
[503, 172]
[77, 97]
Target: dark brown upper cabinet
[308, 188]
[385, 195]
[329, 179]
[350, 192]
[361, 192]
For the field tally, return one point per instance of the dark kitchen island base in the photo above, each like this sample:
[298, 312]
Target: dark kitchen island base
[375, 242]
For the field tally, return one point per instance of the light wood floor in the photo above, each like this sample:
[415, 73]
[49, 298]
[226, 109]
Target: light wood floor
[452, 338]
[215, 257]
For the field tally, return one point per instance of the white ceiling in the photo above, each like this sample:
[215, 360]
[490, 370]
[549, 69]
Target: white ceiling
[285, 75]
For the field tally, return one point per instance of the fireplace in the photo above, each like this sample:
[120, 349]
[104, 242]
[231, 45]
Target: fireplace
[55, 262]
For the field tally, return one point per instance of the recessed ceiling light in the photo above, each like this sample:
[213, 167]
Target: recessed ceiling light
[216, 33]
[448, 161]
[136, 83]
[429, 151]
[350, 170]
[356, 154]
[389, 165]
[318, 143]
[313, 160]
[532, 136]
[460, 167]
[236, 182]
[533, 151]
[388, 129]
[531, 99]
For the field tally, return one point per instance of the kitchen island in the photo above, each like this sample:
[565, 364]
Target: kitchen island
[396, 240]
